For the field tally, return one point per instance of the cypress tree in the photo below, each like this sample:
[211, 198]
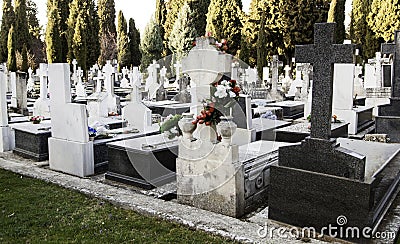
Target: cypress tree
[24, 66]
[200, 10]
[11, 60]
[160, 17]
[63, 6]
[6, 23]
[37, 45]
[79, 44]
[53, 41]
[93, 29]
[134, 44]
[21, 25]
[107, 31]
[183, 34]
[251, 27]
[384, 19]
[224, 22]
[123, 42]
[106, 13]
[360, 32]
[261, 47]
[337, 14]
[151, 44]
[174, 6]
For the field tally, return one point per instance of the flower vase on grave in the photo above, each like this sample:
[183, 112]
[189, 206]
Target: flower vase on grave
[187, 126]
[226, 128]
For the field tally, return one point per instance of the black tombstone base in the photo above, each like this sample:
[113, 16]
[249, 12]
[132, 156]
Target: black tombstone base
[298, 132]
[305, 196]
[146, 168]
[388, 121]
[291, 109]
[32, 145]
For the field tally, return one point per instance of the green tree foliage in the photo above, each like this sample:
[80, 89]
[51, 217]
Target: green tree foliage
[261, 47]
[134, 44]
[160, 16]
[122, 42]
[57, 14]
[79, 42]
[21, 25]
[106, 13]
[11, 60]
[24, 65]
[224, 22]
[337, 14]
[151, 44]
[93, 29]
[183, 34]
[298, 18]
[360, 32]
[384, 19]
[200, 10]
[86, 41]
[174, 6]
[53, 40]
[6, 23]
[37, 46]
[107, 32]
[287, 23]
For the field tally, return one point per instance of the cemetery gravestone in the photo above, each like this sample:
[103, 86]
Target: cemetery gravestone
[42, 105]
[317, 154]
[125, 81]
[6, 134]
[70, 150]
[113, 101]
[152, 80]
[80, 87]
[275, 93]
[388, 121]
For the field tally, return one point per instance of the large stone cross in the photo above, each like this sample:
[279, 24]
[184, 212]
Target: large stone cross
[323, 54]
[394, 48]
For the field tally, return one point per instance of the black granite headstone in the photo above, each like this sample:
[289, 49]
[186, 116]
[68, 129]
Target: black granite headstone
[323, 54]
[388, 119]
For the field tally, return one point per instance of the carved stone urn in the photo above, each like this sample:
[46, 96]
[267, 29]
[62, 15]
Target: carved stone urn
[226, 128]
[186, 125]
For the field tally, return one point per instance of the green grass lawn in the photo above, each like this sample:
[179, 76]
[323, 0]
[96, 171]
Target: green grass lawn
[33, 211]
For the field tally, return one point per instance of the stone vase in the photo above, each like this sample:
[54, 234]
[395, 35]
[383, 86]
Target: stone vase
[186, 126]
[226, 128]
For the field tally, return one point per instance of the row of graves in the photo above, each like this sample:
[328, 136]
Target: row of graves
[309, 146]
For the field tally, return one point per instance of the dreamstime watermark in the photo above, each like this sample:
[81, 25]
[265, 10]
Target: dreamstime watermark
[340, 231]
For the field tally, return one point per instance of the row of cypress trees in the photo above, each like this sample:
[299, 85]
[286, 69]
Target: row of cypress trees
[374, 22]
[82, 30]
[19, 34]
[282, 24]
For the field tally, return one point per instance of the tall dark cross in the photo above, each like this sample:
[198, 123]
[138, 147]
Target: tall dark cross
[323, 54]
[394, 48]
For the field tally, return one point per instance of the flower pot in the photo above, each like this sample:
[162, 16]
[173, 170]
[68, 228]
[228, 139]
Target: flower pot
[186, 125]
[226, 128]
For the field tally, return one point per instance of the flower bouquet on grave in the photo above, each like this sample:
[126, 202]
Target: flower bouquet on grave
[170, 126]
[36, 119]
[224, 95]
[335, 119]
[92, 133]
